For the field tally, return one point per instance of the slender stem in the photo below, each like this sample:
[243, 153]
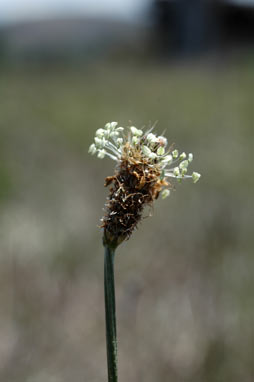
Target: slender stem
[110, 313]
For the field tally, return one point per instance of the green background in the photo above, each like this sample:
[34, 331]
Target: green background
[185, 279]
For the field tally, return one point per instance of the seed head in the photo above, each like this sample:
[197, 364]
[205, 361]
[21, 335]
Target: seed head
[144, 165]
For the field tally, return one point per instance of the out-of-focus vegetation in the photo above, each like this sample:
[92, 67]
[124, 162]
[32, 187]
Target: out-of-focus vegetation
[185, 280]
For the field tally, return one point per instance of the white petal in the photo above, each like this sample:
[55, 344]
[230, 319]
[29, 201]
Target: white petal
[167, 159]
[119, 141]
[152, 155]
[136, 131]
[151, 138]
[100, 133]
[113, 125]
[98, 141]
[101, 154]
[146, 150]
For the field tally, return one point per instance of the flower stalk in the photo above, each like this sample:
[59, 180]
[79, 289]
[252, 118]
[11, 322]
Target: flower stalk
[110, 313]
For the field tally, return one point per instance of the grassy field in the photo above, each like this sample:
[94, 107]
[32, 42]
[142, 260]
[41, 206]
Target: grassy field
[184, 280]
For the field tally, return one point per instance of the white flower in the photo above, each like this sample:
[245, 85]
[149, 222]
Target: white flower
[160, 151]
[114, 134]
[176, 171]
[182, 156]
[165, 193]
[175, 154]
[152, 155]
[101, 154]
[163, 141]
[184, 164]
[135, 140]
[149, 149]
[98, 142]
[146, 150]
[136, 132]
[119, 141]
[184, 171]
[92, 149]
[195, 176]
[100, 133]
[151, 138]
[168, 159]
[113, 125]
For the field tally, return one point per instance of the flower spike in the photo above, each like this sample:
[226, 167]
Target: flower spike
[143, 166]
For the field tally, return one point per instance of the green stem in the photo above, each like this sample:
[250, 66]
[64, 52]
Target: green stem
[110, 313]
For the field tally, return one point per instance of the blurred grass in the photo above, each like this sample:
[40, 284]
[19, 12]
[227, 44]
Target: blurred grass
[186, 276]
[199, 105]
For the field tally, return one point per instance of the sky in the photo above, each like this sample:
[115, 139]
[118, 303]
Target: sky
[16, 10]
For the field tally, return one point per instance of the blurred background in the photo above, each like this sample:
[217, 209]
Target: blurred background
[185, 280]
